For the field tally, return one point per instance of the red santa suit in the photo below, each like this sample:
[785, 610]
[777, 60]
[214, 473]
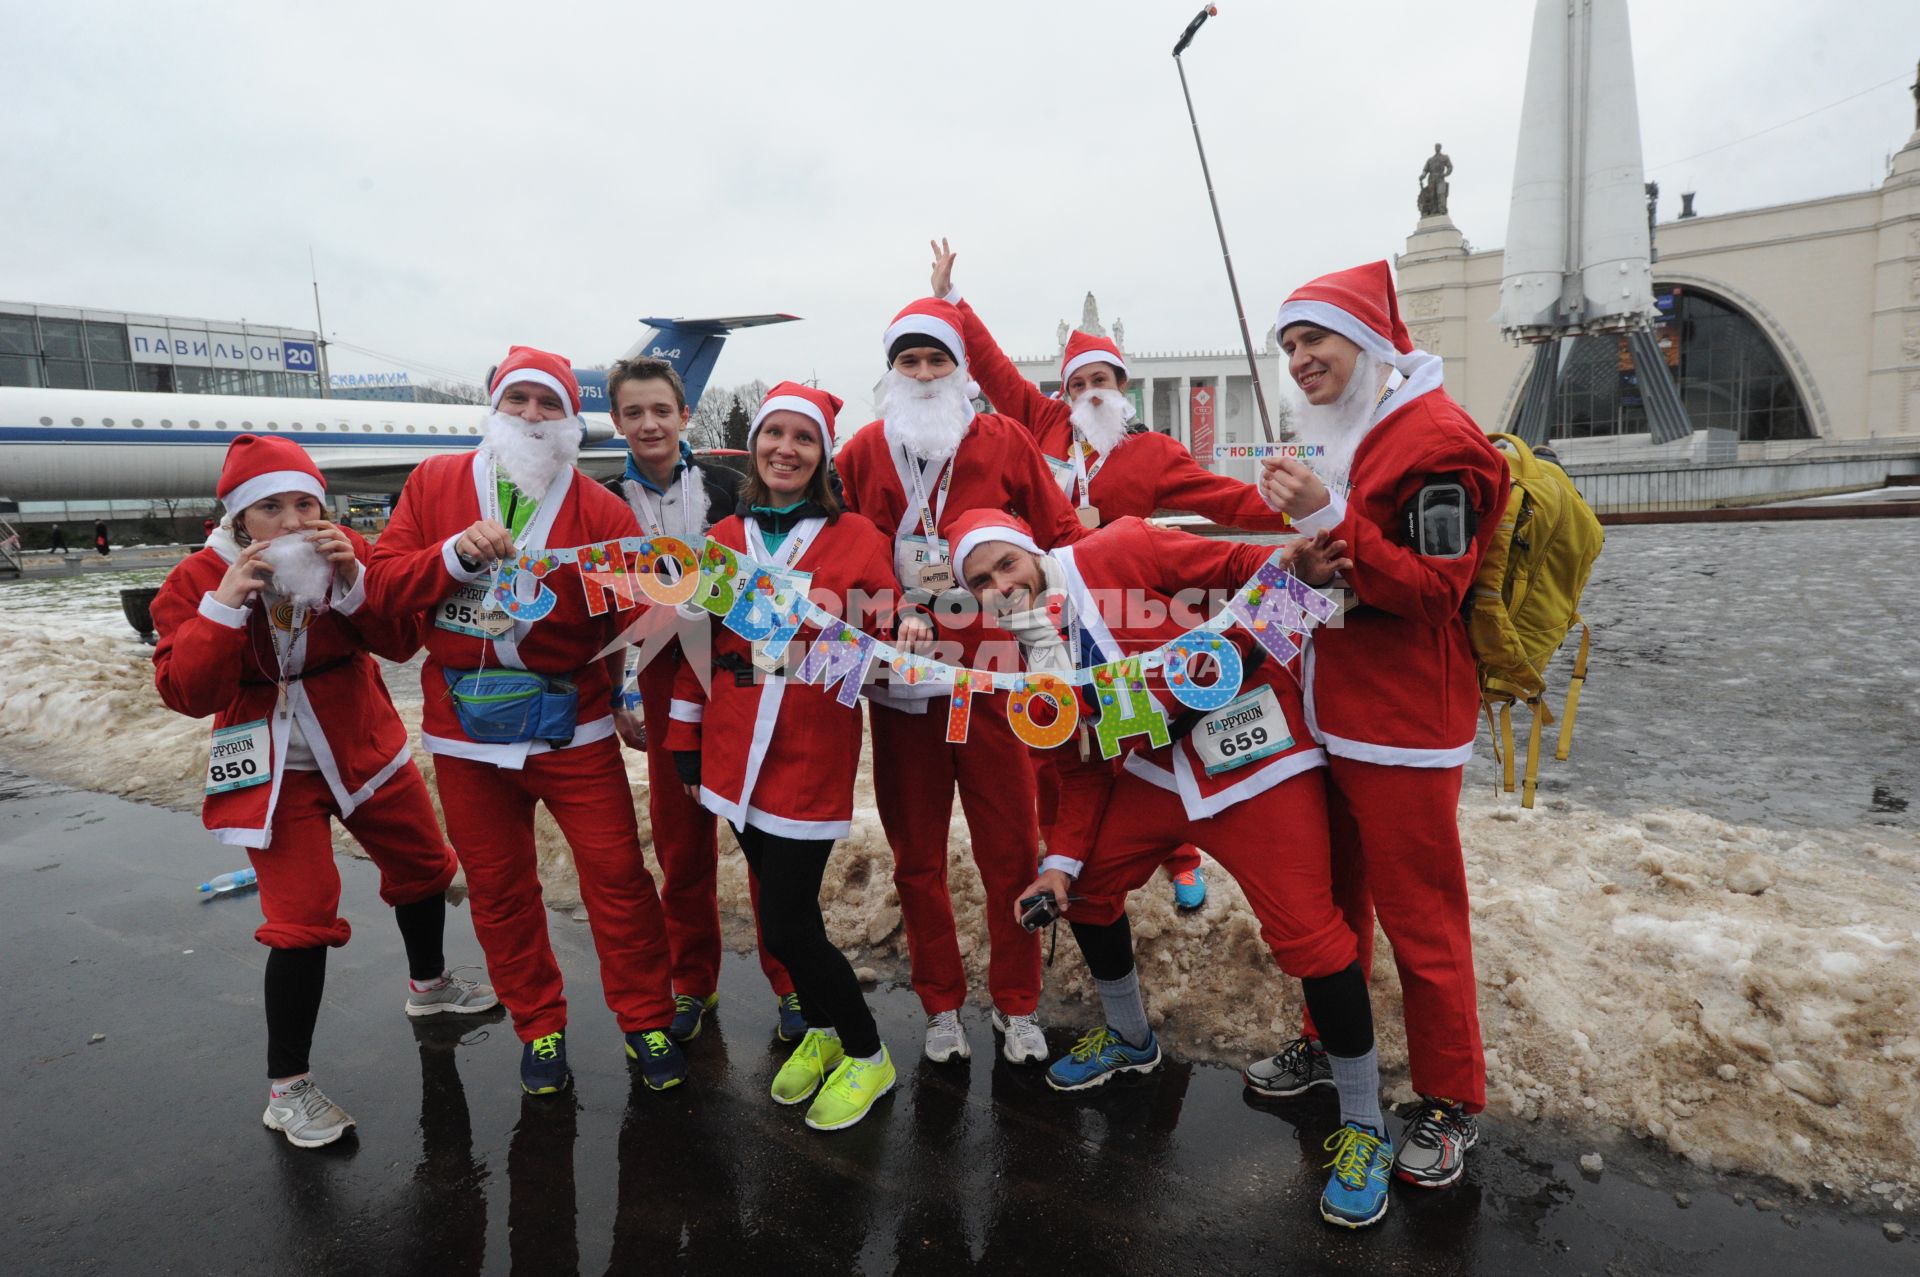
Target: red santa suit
[684, 839]
[916, 772]
[777, 753]
[1129, 588]
[487, 791]
[1392, 693]
[1145, 473]
[331, 747]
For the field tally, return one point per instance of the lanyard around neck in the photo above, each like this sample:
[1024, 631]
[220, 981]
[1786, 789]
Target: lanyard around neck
[653, 519]
[930, 519]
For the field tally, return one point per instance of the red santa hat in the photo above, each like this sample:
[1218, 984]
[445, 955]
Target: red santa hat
[809, 401]
[1085, 348]
[976, 528]
[939, 320]
[1359, 303]
[524, 363]
[259, 466]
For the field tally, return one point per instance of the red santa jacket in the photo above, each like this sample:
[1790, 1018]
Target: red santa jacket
[996, 467]
[776, 753]
[1144, 473]
[414, 571]
[1393, 682]
[1133, 587]
[218, 660]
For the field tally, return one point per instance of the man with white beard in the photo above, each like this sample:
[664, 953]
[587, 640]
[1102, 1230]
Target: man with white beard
[1109, 470]
[1416, 490]
[913, 472]
[457, 518]
[266, 630]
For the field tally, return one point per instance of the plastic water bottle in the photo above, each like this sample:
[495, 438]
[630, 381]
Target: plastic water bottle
[230, 882]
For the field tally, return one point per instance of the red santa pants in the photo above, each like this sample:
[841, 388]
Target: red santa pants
[1274, 844]
[1046, 783]
[915, 773]
[299, 881]
[685, 844]
[1396, 852]
[489, 812]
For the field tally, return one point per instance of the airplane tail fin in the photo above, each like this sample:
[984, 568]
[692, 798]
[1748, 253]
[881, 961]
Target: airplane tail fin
[692, 346]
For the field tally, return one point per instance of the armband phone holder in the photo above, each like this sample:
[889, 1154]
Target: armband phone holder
[1439, 522]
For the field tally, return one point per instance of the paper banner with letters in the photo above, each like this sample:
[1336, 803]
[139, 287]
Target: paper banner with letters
[769, 607]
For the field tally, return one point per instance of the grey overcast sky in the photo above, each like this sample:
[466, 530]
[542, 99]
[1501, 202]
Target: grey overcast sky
[476, 174]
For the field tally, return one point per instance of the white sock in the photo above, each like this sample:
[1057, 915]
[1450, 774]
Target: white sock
[430, 985]
[832, 1033]
[1357, 1078]
[281, 1087]
[875, 1058]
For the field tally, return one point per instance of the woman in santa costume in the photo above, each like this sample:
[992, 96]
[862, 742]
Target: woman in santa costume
[521, 711]
[1109, 470]
[928, 458]
[1415, 489]
[672, 494]
[266, 630]
[775, 757]
[1239, 778]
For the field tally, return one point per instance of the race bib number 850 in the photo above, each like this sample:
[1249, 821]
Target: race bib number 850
[239, 757]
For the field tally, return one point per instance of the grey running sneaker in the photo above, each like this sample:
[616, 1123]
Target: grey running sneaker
[305, 1115]
[1433, 1148]
[1025, 1043]
[946, 1038]
[1298, 1068]
[452, 993]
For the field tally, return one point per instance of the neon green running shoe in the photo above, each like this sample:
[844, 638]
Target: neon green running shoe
[850, 1091]
[807, 1067]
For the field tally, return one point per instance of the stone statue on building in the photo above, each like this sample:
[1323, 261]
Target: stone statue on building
[1060, 334]
[1916, 98]
[1120, 335]
[1090, 318]
[1433, 183]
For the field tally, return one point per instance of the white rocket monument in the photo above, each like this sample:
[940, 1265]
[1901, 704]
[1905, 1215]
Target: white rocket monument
[1577, 256]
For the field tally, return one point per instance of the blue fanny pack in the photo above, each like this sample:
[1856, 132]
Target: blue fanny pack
[506, 707]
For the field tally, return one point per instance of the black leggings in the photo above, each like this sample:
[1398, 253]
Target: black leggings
[795, 932]
[1342, 1011]
[296, 978]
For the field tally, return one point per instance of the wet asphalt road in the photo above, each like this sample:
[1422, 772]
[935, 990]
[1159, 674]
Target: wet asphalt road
[144, 1153]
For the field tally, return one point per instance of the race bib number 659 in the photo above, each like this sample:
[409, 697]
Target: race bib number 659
[1244, 730]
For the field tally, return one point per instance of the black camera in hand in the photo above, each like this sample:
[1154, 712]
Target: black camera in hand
[1037, 910]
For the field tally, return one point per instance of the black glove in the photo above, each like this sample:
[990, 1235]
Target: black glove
[687, 763]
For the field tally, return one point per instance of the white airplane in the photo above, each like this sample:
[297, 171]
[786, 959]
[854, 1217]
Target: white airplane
[77, 445]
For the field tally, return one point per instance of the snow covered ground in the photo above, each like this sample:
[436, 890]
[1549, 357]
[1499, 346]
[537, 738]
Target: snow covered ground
[1705, 934]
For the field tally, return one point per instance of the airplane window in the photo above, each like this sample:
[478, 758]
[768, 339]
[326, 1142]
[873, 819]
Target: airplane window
[193, 425]
[273, 425]
[166, 425]
[389, 427]
[106, 421]
[296, 425]
[246, 425]
[433, 430]
[46, 421]
[409, 429]
[221, 425]
[79, 421]
[137, 423]
[365, 426]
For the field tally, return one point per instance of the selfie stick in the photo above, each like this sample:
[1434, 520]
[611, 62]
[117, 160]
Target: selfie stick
[1246, 338]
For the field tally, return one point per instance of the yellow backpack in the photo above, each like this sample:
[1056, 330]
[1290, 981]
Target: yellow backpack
[1525, 600]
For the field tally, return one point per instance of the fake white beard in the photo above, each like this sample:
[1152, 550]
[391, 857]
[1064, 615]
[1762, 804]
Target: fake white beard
[1101, 417]
[1341, 425]
[927, 418]
[300, 572]
[532, 453]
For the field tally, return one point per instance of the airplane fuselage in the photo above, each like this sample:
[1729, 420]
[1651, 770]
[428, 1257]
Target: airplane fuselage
[88, 444]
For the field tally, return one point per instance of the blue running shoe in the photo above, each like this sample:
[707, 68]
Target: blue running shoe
[1356, 1192]
[1098, 1056]
[1189, 890]
[662, 1062]
[793, 1025]
[543, 1065]
[690, 1014]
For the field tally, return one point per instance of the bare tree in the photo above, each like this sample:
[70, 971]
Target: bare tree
[446, 390]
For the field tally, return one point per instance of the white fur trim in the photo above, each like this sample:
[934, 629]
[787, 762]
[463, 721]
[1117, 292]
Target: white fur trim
[347, 602]
[1397, 755]
[450, 559]
[792, 403]
[234, 618]
[995, 532]
[686, 711]
[1326, 518]
[1086, 357]
[928, 326]
[514, 757]
[1071, 868]
[265, 485]
[546, 379]
[1335, 320]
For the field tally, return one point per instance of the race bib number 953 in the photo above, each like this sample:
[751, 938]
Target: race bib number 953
[465, 612]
